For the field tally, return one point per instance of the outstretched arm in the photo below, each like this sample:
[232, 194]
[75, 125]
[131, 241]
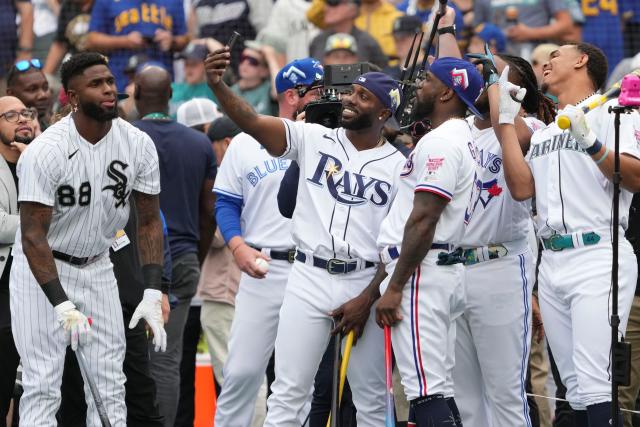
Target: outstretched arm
[268, 131]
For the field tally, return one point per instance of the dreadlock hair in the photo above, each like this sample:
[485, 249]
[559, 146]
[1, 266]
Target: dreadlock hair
[534, 102]
[79, 62]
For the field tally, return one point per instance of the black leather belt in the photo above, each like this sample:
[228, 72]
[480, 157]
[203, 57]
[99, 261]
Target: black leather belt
[334, 266]
[289, 255]
[73, 259]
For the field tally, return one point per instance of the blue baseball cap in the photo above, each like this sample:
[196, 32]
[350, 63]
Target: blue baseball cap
[490, 33]
[461, 76]
[301, 72]
[383, 87]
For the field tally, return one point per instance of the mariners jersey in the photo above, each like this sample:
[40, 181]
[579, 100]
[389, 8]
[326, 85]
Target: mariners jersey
[572, 195]
[344, 194]
[250, 174]
[88, 185]
[493, 216]
[441, 163]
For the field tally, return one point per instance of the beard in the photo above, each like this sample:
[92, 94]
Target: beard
[423, 109]
[357, 123]
[23, 139]
[98, 113]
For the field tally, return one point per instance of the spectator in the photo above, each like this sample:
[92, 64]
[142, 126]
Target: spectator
[194, 84]
[15, 43]
[539, 57]
[603, 28]
[198, 114]
[220, 132]
[27, 82]
[121, 29]
[490, 34]
[376, 18]
[404, 29]
[340, 48]
[631, 26]
[423, 9]
[45, 15]
[340, 18]
[254, 83]
[71, 32]
[623, 68]
[187, 170]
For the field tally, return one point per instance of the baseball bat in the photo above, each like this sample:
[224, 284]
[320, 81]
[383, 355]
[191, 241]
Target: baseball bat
[442, 9]
[343, 369]
[389, 405]
[333, 416]
[564, 122]
[102, 412]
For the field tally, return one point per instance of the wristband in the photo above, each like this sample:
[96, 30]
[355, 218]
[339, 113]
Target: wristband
[152, 276]
[24, 49]
[594, 149]
[451, 29]
[54, 292]
[604, 156]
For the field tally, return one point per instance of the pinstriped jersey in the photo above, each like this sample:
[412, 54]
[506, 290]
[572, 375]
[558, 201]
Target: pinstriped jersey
[343, 194]
[441, 164]
[87, 185]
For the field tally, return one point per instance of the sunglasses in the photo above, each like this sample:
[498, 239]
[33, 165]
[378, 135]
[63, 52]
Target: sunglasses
[252, 61]
[26, 64]
[13, 116]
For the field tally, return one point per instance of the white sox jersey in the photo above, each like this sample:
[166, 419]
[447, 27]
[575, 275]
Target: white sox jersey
[344, 194]
[493, 216]
[249, 173]
[572, 195]
[441, 163]
[88, 185]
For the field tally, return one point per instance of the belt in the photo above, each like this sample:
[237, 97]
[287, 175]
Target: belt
[558, 242]
[390, 253]
[75, 260]
[288, 255]
[333, 265]
[485, 253]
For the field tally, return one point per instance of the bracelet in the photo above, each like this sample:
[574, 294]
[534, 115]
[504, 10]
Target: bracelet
[152, 276]
[24, 49]
[451, 29]
[604, 156]
[595, 148]
[54, 292]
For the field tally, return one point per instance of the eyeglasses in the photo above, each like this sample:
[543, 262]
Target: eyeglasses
[26, 64]
[13, 116]
[303, 90]
[253, 61]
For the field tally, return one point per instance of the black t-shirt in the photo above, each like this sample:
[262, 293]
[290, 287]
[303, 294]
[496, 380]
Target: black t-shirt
[73, 25]
[633, 232]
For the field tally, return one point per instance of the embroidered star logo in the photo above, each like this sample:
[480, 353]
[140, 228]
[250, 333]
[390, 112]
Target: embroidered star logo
[494, 190]
[332, 170]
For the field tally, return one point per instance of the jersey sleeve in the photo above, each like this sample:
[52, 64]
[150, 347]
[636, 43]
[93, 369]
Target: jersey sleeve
[39, 170]
[148, 175]
[629, 130]
[295, 132]
[437, 167]
[229, 178]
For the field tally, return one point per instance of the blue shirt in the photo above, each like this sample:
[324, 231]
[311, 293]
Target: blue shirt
[119, 18]
[186, 161]
[602, 28]
[424, 16]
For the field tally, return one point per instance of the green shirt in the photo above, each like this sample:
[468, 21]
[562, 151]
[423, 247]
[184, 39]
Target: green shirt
[259, 97]
[183, 92]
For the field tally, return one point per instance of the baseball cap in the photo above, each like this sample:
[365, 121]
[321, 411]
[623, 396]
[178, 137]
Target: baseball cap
[341, 41]
[221, 128]
[197, 111]
[194, 51]
[383, 87]
[490, 33]
[461, 76]
[301, 72]
[135, 61]
[407, 24]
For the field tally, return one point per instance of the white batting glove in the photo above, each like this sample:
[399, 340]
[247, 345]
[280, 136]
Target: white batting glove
[511, 97]
[579, 128]
[75, 324]
[150, 309]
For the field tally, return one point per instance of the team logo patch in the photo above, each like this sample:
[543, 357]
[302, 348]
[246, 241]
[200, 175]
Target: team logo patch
[460, 78]
[394, 94]
[494, 190]
[293, 74]
[119, 189]
[362, 79]
[433, 164]
[408, 166]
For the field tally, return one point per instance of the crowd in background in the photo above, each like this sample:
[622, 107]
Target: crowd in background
[37, 35]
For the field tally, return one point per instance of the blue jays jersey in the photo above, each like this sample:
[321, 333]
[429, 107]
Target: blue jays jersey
[121, 17]
[343, 194]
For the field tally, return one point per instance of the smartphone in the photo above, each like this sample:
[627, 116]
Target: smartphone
[232, 39]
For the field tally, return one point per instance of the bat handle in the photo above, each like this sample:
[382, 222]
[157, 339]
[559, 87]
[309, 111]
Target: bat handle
[563, 122]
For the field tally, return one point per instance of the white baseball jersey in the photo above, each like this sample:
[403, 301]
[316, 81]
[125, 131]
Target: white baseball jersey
[249, 173]
[441, 163]
[572, 195]
[88, 185]
[344, 194]
[493, 216]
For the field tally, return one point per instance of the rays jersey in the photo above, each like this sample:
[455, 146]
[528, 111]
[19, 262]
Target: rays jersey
[250, 174]
[572, 195]
[88, 185]
[492, 215]
[343, 193]
[441, 163]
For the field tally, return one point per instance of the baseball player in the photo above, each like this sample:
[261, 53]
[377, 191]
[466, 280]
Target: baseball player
[253, 229]
[493, 334]
[570, 174]
[348, 179]
[75, 181]
[422, 299]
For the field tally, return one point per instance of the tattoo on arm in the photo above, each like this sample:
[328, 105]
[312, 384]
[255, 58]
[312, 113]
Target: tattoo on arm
[35, 219]
[149, 228]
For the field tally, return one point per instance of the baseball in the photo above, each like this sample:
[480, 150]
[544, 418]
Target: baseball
[262, 265]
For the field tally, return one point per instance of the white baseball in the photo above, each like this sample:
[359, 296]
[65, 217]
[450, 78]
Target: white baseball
[262, 265]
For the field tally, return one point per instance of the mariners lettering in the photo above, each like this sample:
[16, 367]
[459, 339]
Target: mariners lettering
[119, 189]
[349, 188]
[148, 12]
[563, 141]
[269, 166]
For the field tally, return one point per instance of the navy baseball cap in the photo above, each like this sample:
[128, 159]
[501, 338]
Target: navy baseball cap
[492, 34]
[301, 72]
[461, 76]
[383, 87]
